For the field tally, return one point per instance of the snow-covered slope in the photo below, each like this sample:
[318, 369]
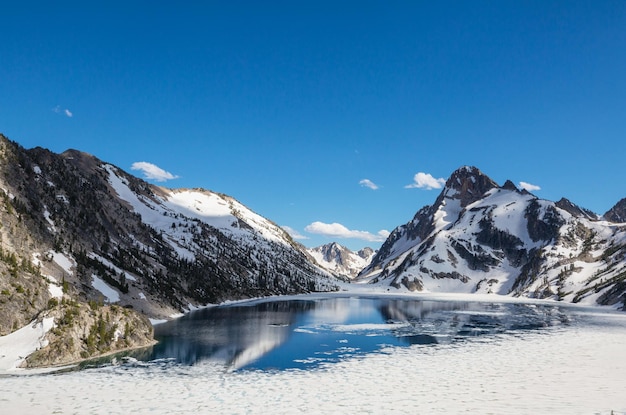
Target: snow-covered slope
[175, 213]
[480, 237]
[340, 260]
[230, 249]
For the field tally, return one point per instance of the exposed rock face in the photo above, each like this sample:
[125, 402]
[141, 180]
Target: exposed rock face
[479, 237]
[617, 213]
[469, 185]
[366, 253]
[575, 210]
[542, 226]
[83, 331]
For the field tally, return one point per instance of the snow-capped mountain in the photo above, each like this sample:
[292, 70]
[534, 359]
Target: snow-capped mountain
[107, 235]
[340, 260]
[481, 237]
[88, 249]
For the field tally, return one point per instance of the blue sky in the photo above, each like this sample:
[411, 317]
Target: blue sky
[299, 109]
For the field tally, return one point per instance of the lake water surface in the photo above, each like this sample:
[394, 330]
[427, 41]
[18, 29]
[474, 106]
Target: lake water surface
[358, 354]
[304, 333]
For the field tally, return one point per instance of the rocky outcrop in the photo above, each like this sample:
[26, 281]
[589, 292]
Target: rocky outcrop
[542, 225]
[83, 331]
[468, 184]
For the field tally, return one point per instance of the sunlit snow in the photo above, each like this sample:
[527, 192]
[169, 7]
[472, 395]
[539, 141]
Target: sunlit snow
[16, 346]
[46, 215]
[174, 212]
[63, 261]
[109, 264]
[111, 295]
[56, 291]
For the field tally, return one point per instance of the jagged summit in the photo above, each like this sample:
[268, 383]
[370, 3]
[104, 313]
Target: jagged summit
[366, 253]
[466, 185]
[574, 209]
[469, 184]
[617, 213]
[509, 185]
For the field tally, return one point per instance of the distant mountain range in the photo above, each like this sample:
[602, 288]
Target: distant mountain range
[340, 260]
[485, 238]
[79, 235]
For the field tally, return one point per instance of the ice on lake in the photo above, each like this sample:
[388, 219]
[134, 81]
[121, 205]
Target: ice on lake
[391, 356]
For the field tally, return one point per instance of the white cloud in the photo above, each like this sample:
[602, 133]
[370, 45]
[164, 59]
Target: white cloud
[66, 111]
[529, 187]
[425, 181]
[294, 233]
[153, 172]
[337, 230]
[368, 183]
[383, 233]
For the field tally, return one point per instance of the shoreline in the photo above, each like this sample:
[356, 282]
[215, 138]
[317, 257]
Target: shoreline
[421, 296]
[346, 290]
[576, 369]
[41, 370]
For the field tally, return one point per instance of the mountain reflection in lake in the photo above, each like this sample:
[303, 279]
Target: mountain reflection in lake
[303, 333]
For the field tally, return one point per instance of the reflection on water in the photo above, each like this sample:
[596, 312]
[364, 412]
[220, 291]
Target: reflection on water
[305, 333]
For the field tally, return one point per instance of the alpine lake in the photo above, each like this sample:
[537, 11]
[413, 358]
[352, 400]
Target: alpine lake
[305, 333]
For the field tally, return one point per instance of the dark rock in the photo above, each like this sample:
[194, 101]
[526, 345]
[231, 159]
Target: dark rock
[617, 213]
[509, 185]
[575, 210]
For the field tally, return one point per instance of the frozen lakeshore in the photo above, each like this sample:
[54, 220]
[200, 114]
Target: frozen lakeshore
[566, 369]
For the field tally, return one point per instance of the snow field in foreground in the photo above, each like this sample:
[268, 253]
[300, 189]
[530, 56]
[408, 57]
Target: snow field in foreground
[16, 346]
[568, 370]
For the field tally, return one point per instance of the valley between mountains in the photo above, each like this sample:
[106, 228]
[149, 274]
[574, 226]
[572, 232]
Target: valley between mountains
[91, 256]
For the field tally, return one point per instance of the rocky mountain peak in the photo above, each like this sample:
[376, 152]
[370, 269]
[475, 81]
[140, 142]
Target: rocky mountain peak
[617, 213]
[469, 183]
[480, 237]
[334, 252]
[574, 209]
[509, 185]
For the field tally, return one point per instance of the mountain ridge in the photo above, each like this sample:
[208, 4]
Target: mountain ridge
[77, 231]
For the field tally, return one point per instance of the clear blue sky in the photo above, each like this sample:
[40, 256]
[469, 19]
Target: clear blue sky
[287, 106]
